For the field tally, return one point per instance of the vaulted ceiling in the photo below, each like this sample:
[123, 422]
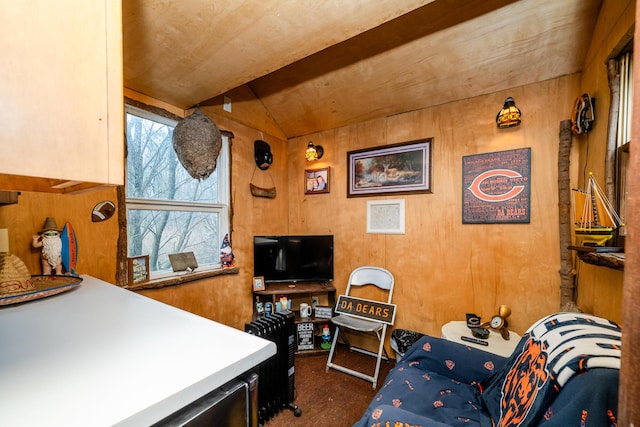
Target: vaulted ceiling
[317, 65]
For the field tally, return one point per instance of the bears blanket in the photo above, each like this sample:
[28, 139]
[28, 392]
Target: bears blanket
[563, 372]
[553, 351]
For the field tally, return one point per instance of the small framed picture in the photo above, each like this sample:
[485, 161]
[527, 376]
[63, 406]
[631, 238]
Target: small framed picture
[138, 269]
[316, 181]
[385, 216]
[258, 283]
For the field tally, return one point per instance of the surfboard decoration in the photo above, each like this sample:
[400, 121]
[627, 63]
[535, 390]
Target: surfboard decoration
[69, 249]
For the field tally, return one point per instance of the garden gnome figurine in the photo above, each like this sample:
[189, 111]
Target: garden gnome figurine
[226, 254]
[326, 337]
[49, 240]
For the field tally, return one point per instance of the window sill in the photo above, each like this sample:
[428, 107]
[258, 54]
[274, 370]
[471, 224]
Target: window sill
[182, 278]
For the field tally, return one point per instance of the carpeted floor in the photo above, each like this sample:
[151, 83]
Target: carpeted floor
[331, 399]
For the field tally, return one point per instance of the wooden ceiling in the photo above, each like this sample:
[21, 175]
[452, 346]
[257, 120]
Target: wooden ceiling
[317, 65]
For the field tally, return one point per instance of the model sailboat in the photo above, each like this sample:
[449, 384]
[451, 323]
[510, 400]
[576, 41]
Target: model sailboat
[595, 217]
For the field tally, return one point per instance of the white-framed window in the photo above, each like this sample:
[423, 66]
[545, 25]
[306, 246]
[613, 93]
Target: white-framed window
[625, 105]
[623, 136]
[168, 211]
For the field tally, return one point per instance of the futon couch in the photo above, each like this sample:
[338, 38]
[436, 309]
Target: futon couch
[563, 372]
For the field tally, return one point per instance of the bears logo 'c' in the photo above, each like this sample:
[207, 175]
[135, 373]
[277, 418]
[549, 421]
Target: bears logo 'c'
[508, 176]
[526, 380]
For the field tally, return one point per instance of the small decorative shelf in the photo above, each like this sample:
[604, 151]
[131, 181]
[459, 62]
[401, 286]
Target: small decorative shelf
[611, 257]
[273, 292]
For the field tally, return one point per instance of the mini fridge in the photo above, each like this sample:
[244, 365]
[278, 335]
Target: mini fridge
[235, 404]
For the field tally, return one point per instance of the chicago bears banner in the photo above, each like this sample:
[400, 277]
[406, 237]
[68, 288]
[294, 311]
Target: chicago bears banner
[496, 187]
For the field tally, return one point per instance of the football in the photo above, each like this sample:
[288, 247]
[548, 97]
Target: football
[103, 211]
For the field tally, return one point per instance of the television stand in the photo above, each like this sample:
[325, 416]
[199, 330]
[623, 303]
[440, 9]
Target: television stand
[298, 293]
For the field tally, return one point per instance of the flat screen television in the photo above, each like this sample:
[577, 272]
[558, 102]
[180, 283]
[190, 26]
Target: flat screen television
[293, 259]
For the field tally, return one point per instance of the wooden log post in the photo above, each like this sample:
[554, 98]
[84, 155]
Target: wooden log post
[629, 390]
[567, 278]
[122, 277]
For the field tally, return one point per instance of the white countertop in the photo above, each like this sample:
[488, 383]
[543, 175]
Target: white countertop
[100, 355]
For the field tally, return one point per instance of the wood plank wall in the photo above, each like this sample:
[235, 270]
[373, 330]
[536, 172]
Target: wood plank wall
[600, 289]
[443, 268]
[96, 241]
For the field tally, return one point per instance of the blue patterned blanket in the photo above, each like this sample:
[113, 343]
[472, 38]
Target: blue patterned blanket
[564, 372]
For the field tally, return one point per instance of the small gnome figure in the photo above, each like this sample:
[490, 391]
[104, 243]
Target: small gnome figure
[226, 253]
[49, 240]
[326, 337]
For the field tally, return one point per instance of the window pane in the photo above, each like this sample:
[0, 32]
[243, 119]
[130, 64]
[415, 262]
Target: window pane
[625, 108]
[153, 169]
[160, 233]
[625, 114]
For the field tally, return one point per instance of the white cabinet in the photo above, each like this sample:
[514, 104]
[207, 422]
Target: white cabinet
[61, 94]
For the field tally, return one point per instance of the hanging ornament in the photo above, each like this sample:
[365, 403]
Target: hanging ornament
[583, 114]
[197, 142]
[263, 158]
[263, 155]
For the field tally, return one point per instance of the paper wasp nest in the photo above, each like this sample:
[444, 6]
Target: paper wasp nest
[197, 142]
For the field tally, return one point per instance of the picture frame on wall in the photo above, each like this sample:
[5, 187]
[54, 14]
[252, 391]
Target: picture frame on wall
[316, 181]
[385, 217]
[138, 269]
[496, 187]
[258, 283]
[403, 168]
